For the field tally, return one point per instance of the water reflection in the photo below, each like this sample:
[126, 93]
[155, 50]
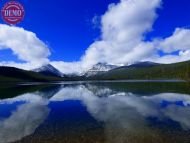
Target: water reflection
[31, 111]
[98, 113]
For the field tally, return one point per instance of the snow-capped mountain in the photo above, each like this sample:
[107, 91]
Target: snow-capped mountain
[99, 68]
[49, 70]
[103, 67]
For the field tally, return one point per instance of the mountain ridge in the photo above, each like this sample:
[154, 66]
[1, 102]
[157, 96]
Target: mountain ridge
[12, 74]
[48, 70]
[179, 70]
[140, 71]
[99, 68]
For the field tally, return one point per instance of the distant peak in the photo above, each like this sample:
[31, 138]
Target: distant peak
[143, 64]
[47, 65]
[98, 68]
[48, 68]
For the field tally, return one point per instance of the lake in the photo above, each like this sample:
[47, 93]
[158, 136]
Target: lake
[95, 112]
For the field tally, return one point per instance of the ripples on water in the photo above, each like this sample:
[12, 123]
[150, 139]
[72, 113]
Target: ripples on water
[96, 113]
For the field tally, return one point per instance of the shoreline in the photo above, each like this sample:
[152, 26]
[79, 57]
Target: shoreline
[100, 81]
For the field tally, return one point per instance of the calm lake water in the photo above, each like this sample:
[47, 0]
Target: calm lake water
[141, 112]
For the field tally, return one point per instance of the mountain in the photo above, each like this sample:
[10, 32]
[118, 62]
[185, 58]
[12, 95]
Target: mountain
[147, 71]
[137, 71]
[144, 64]
[48, 70]
[103, 67]
[99, 68]
[11, 74]
[140, 65]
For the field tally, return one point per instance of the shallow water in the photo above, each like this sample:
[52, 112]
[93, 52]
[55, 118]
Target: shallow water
[120, 112]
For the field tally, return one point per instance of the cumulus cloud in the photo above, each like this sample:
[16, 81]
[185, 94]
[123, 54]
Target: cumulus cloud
[24, 44]
[68, 67]
[122, 41]
[25, 65]
[178, 42]
[123, 29]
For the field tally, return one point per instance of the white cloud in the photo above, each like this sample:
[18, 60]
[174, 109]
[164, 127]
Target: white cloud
[68, 67]
[167, 59]
[24, 44]
[96, 22]
[178, 41]
[26, 65]
[123, 29]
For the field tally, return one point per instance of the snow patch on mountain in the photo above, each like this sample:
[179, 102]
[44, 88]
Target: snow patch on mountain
[99, 68]
[49, 70]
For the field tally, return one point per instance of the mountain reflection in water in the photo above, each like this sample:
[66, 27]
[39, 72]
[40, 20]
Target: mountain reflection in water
[96, 113]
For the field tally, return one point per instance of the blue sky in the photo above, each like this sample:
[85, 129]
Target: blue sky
[66, 25]
[67, 28]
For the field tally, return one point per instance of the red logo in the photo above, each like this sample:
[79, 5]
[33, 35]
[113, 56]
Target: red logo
[12, 12]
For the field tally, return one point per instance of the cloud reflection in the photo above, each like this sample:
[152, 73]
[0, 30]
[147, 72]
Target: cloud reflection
[25, 119]
[126, 115]
[106, 108]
